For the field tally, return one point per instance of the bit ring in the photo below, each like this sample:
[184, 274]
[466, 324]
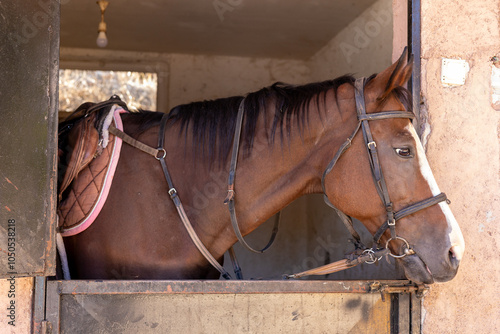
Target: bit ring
[407, 251]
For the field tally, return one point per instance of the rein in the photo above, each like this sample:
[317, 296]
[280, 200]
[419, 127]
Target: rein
[230, 192]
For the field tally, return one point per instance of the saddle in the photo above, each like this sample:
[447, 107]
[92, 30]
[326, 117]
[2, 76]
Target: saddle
[88, 155]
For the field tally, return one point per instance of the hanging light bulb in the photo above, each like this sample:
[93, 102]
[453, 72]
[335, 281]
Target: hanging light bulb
[102, 39]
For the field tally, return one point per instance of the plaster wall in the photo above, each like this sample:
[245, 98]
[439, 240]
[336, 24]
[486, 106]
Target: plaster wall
[198, 77]
[362, 48]
[463, 150]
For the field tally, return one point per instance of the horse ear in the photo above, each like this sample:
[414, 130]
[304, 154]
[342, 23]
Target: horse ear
[397, 75]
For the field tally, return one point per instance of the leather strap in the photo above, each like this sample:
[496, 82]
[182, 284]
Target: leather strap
[371, 146]
[341, 264]
[362, 116]
[345, 218]
[386, 115]
[160, 154]
[410, 210]
[231, 194]
[179, 207]
[420, 206]
[234, 261]
[134, 142]
[235, 151]
[337, 155]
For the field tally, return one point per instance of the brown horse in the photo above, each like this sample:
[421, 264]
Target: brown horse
[289, 136]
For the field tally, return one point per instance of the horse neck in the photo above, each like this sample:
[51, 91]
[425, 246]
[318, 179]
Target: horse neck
[274, 176]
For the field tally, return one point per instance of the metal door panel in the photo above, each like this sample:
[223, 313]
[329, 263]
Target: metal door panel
[29, 53]
[228, 306]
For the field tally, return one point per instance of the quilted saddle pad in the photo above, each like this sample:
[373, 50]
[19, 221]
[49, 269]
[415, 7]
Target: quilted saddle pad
[88, 191]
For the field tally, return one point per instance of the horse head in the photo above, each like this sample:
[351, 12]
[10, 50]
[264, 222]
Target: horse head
[428, 238]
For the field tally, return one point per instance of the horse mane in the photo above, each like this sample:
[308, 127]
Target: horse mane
[212, 122]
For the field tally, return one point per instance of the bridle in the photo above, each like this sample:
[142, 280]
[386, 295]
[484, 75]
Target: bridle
[368, 255]
[378, 177]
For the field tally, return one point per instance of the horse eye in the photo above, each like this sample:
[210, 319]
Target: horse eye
[404, 152]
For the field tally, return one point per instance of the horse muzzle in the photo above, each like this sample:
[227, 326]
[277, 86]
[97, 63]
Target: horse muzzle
[418, 271]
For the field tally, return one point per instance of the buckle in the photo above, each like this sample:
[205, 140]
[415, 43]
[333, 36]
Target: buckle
[172, 191]
[391, 222]
[372, 145]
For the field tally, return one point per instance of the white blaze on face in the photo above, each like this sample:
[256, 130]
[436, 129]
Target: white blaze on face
[455, 235]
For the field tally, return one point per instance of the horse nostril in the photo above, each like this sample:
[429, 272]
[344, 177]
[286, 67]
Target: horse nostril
[455, 255]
